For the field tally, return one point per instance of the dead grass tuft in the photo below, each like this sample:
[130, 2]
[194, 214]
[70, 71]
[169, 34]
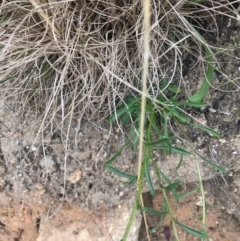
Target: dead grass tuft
[80, 57]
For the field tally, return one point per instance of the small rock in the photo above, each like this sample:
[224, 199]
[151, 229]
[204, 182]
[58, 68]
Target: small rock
[212, 110]
[33, 148]
[47, 163]
[121, 194]
[222, 141]
[75, 176]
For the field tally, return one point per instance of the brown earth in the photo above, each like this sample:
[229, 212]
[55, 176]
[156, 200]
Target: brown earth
[221, 223]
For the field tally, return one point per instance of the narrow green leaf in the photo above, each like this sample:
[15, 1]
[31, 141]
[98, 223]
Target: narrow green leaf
[120, 111]
[120, 173]
[172, 186]
[208, 130]
[171, 149]
[148, 177]
[130, 182]
[173, 111]
[214, 165]
[129, 100]
[166, 129]
[164, 83]
[165, 212]
[163, 140]
[153, 211]
[181, 117]
[174, 89]
[180, 163]
[168, 182]
[156, 127]
[126, 119]
[199, 96]
[115, 156]
[165, 147]
[132, 115]
[185, 195]
[164, 177]
[192, 104]
[125, 108]
[180, 151]
[192, 231]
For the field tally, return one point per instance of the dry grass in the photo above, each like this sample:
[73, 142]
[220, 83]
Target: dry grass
[80, 57]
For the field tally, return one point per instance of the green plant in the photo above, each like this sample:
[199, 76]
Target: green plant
[152, 116]
[157, 136]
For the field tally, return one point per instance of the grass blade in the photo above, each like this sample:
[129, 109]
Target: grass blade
[153, 211]
[126, 107]
[148, 177]
[172, 186]
[180, 151]
[208, 130]
[191, 104]
[174, 89]
[164, 213]
[180, 163]
[163, 140]
[180, 117]
[192, 231]
[168, 182]
[120, 173]
[115, 156]
[199, 96]
[185, 195]
[214, 165]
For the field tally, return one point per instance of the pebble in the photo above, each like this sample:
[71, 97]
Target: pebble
[75, 176]
[33, 148]
[212, 110]
[222, 141]
[47, 163]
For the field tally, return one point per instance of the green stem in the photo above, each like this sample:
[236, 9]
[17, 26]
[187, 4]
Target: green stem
[167, 202]
[171, 214]
[203, 198]
[136, 205]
